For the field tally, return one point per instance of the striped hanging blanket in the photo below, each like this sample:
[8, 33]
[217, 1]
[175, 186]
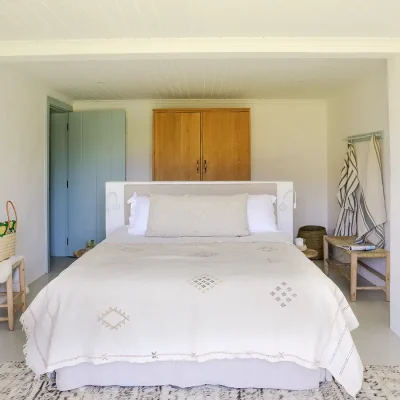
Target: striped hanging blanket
[372, 210]
[347, 221]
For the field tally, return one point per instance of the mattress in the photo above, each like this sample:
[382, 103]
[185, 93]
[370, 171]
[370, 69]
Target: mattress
[231, 373]
[149, 301]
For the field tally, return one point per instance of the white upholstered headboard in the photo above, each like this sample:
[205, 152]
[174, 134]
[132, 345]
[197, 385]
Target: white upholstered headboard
[117, 194]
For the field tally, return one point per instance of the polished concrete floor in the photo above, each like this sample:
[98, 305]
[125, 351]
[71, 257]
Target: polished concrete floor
[376, 343]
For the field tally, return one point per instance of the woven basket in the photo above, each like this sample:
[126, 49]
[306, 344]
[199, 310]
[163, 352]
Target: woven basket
[8, 241]
[314, 238]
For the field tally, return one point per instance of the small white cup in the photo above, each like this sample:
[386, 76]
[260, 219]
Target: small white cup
[299, 242]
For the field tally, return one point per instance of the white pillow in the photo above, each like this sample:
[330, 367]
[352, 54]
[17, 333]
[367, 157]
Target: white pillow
[177, 216]
[139, 214]
[261, 213]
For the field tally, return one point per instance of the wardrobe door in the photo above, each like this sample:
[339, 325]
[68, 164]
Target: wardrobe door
[176, 146]
[58, 184]
[226, 145]
[110, 160]
[96, 154]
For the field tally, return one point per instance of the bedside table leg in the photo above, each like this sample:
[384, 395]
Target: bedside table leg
[388, 277]
[326, 256]
[10, 303]
[22, 284]
[353, 277]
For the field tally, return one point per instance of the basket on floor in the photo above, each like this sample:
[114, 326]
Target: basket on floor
[8, 234]
[314, 238]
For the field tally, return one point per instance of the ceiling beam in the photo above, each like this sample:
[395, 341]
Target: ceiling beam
[198, 47]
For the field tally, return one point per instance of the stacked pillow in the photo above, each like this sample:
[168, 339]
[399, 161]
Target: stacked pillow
[198, 216]
[140, 207]
[174, 216]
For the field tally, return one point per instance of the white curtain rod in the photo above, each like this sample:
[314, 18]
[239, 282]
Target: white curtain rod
[363, 137]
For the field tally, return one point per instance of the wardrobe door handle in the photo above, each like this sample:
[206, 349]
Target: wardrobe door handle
[205, 166]
[197, 166]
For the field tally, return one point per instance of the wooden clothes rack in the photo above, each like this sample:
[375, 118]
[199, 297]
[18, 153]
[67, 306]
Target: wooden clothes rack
[363, 137]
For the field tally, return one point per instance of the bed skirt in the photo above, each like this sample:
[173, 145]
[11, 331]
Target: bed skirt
[237, 373]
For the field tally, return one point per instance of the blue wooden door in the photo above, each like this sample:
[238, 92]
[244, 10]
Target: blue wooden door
[58, 184]
[96, 154]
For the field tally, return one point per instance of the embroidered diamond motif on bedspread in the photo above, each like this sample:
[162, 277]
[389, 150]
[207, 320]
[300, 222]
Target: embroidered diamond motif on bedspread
[205, 254]
[131, 249]
[283, 294]
[204, 283]
[267, 248]
[113, 318]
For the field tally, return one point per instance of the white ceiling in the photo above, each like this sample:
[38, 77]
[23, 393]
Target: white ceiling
[84, 19]
[200, 78]
[91, 72]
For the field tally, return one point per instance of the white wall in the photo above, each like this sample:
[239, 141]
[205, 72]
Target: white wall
[360, 108]
[288, 142]
[394, 124]
[23, 131]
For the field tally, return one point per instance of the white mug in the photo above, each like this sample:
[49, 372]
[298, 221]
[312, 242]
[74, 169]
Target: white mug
[299, 242]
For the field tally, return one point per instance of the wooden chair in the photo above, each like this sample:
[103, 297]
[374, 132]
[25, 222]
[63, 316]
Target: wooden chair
[12, 297]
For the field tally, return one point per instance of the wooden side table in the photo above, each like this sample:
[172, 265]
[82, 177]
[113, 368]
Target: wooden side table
[11, 296]
[356, 258]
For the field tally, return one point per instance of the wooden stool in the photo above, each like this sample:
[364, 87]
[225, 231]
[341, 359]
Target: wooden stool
[356, 258]
[11, 296]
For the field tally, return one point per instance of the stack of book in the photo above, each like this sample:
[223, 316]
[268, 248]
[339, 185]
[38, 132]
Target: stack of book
[359, 247]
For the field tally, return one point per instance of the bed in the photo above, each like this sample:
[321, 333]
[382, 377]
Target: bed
[248, 311]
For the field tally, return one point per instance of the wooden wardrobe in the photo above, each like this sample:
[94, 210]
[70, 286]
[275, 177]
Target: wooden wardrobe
[201, 144]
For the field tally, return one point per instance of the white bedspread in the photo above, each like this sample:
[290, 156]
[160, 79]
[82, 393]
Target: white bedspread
[196, 302]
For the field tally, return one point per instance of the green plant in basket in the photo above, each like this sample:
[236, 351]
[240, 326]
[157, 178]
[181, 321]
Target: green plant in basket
[12, 226]
[3, 228]
[8, 227]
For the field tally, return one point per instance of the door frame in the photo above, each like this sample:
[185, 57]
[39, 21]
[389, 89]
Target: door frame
[52, 104]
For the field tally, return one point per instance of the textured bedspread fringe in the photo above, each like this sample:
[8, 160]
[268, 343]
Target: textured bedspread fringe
[27, 331]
